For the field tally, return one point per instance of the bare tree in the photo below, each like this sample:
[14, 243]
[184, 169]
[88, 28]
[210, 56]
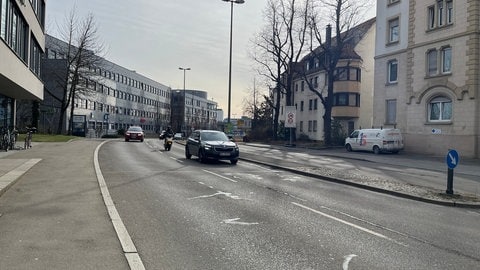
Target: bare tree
[279, 46]
[81, 54]
[344, 14]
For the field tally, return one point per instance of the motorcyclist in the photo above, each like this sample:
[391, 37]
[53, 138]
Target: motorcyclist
[169, 132]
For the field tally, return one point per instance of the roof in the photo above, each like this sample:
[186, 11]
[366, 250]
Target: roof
[356, 34]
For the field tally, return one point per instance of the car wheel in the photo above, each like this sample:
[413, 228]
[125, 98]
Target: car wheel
[141, 140]
[187, 153]
[376, 150]
[348, 147]
[234, 161]
[126, 140]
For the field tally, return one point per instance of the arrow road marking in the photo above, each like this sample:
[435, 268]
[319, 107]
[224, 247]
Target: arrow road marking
[235, 222]
[226, 194]
[347, 261]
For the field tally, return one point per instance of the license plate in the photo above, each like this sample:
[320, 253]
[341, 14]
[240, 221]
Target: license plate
[224, 154]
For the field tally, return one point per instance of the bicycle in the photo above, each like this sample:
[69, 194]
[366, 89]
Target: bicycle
[12, 139]
[28, 137]
[5, 139]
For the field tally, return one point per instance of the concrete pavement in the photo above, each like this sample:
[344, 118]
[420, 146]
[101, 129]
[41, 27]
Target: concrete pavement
[53, 216]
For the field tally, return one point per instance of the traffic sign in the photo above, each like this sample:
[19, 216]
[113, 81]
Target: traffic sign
[452, 159]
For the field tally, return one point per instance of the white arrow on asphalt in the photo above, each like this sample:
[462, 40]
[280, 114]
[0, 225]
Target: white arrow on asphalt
[347, 261]
[454, 161]
[234, 221]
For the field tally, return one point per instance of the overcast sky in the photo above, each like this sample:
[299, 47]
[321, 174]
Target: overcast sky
[155, 38]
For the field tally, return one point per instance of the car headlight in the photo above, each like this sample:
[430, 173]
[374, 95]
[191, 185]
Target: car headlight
[208, 147]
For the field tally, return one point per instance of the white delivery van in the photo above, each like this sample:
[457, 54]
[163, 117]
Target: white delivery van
[376, 140]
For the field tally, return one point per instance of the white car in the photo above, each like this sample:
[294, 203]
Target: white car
[178, 136]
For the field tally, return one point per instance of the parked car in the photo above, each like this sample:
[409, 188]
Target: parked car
[178, 136]
[134, 133]
[211, 144]
[375, 140]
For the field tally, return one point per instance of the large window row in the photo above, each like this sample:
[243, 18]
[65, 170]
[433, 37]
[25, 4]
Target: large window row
[98, 106]
[39, 9]
[440, 14]
[98, 87]
[14, 29]
[52, 54]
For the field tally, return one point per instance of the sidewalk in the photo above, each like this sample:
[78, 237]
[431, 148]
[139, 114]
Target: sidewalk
[53, 216]
[417, 177]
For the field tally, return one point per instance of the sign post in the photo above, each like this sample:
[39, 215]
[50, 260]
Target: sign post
[452, 160]
[290, 121]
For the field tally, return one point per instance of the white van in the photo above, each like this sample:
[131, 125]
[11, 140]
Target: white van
[376, 140]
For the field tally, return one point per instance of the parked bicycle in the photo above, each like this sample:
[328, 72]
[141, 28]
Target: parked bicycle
[5, 139]
[13, 139]
[28, 137]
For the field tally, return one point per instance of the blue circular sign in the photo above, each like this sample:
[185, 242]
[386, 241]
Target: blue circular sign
[452, 159]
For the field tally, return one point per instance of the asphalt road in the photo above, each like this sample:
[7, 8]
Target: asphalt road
[182, 214]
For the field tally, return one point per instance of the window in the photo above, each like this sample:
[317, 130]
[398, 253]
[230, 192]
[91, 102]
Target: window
[392, 71]
[14, 29]
[432, 62]
[301, 126]
[314, 125]
[393, 28]
[310, 126]
[440, 109]
[35, 56]
[439, 61]
[440, 14]
[431, 17]
[449, 12]
[315, 104]
[347, 74]
[346, 99]
[310, 104]
[301, 105]
[391, 110]
[446, 60]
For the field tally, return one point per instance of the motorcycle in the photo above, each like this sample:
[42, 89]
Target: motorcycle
[168, 143]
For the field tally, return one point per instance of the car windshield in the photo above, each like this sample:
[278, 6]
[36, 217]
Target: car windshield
[137, 129]
[213, 136]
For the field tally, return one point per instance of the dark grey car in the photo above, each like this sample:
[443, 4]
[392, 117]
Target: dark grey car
[211, 144]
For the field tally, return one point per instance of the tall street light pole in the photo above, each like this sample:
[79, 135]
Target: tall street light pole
[184, 97]
[230, 63]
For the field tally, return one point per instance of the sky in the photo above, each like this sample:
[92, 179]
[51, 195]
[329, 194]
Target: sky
[155, 38]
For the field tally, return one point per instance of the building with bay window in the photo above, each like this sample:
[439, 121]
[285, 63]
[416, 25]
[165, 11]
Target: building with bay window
[353, 87]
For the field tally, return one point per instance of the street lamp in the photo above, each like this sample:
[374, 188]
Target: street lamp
[184, 96]
[230, 63]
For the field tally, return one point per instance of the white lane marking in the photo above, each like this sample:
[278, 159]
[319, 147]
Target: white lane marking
[221, 176]
[129, 249]
[343, 221]
[176, 159]
[347, 260]
[226, 194]
[235, 222]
